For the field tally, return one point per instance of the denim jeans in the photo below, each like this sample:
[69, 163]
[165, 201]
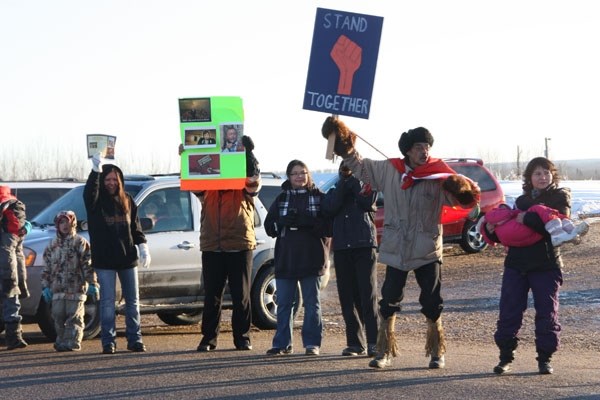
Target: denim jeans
[10, 309]
[130, 289]
[312, 326]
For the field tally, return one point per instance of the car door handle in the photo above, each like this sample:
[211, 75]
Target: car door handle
[262, 241]
[186, 245]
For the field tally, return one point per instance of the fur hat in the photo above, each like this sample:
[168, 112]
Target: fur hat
[417, 135]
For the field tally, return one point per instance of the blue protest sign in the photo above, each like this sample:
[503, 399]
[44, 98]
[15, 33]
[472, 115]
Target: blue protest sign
[342, 65]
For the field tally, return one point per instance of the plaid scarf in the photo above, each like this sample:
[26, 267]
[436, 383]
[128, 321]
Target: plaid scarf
[313, 201]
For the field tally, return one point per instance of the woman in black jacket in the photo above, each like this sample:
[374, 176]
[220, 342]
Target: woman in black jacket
[536, 268]
[301, 252]
[115, 231]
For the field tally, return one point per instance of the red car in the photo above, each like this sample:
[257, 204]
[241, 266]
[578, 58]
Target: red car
[457, 227]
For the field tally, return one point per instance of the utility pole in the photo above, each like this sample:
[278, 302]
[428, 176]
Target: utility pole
[546, 153]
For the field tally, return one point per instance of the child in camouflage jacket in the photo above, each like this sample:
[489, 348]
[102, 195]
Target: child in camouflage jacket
[67, 280]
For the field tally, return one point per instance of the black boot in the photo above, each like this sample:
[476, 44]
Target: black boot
[507, 355]
[14, 336]
[543, 360]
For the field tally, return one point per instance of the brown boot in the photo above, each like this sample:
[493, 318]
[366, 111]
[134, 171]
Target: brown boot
[386, 344]
[435, 346]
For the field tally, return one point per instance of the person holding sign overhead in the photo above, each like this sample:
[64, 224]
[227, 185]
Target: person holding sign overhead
[226, 241]
[416, 188]
[116, 239]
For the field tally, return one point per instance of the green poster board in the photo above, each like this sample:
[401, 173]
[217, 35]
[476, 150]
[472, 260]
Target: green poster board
[211, 130]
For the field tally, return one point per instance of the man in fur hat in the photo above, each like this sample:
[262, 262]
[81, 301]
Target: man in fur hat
[415, 188]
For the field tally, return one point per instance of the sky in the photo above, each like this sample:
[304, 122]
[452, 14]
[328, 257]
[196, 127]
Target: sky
[488, 79]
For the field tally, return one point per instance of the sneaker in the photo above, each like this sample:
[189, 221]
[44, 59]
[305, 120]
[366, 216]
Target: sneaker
[371, 350]
[437, 362]
[61, 348]
[245, 346]
[312, 351]
[110, 348]
[545, 368]
[137, 347]
[382, 361]
[203, 348]
[502, 368]
[276, 351]
[353, 351]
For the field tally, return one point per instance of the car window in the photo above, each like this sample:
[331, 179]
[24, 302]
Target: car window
[36, 199]
[169, 209]
[267, 194]
[72, 200]
[478, 174]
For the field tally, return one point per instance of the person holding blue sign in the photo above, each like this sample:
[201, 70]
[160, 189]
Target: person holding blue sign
[416, 188]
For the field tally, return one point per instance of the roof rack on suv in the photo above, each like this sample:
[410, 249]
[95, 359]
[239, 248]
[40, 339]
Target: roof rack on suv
[464, 159]
[270, 175]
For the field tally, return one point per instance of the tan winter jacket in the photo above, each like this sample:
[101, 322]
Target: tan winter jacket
[412, 233]
[227, 218]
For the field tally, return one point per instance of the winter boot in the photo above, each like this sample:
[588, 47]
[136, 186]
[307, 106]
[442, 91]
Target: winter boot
[543, 360]
[435, 346]
[14, 336]
[558, 235]
[507, 355]
[386, 344]
[582, 228]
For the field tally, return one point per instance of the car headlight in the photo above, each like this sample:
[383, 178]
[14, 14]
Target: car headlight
[30, 256]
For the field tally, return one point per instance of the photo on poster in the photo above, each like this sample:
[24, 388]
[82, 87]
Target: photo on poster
[103, 144]
[195, 110]
[200, 138]
[204, 164]
[231, 138]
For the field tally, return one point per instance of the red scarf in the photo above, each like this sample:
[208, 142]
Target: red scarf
[435, 168]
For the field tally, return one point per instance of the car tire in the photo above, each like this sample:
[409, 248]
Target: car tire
[173, 318]
[264, 299]
[91, 319]
[472, 241]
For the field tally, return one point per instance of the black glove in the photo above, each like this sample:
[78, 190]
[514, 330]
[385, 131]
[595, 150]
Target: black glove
[252, 167]
[305, 221]
[353, 186]
[291, 219]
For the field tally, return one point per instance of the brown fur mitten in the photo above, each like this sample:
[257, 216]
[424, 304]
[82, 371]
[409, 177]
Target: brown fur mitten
[465, 191]
[345, 139]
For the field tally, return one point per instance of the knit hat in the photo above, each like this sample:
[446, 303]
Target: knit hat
[417, 135]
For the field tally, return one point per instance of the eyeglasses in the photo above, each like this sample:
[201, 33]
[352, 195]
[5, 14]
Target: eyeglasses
[303, 173]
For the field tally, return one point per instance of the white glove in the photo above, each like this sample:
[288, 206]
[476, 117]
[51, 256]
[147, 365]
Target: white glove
[97, 162]
[145, 258]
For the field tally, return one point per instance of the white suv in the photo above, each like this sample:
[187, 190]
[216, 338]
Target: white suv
[171, 287]
[38, 194]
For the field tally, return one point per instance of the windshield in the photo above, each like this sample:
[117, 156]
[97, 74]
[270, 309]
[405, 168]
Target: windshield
[72, 200]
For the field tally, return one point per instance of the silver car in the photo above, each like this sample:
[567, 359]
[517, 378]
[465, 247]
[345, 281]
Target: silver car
[171, 287]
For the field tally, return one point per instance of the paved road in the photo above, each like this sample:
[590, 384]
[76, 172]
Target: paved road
[172, 369]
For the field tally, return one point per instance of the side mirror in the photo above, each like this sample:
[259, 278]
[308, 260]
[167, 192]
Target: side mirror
[83, 225]
[147, 224]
